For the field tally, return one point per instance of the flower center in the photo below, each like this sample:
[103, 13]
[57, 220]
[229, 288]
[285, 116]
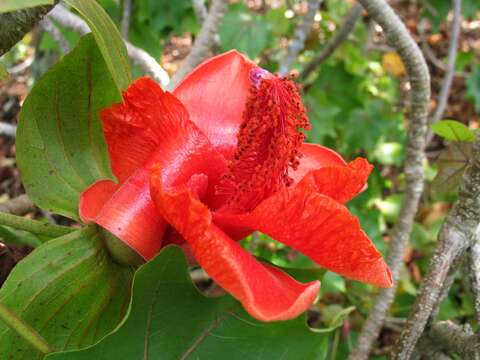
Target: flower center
[269, 140]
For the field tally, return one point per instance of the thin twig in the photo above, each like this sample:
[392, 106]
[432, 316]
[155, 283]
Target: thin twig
[450, 70]
[456, 235]
[340, 35]
[126, 15]
[430, 55]
[24, 330]
[18, 206]
[203, 43]
[200, 9]
[139, 56]
[303, 29]
[21, 67]
[417, 70]
[50, 27]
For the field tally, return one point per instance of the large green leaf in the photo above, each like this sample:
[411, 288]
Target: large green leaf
[452, 130]
[170, 319]
[12, 5]
[69, 290]
[108, 39]
[60, 144]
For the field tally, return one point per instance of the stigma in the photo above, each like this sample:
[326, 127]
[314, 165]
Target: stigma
[269, 141]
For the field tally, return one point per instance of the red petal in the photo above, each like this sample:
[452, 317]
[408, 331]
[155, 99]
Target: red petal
[315, 157]
[132, 128]
[151, 127]
[94, 198]
[319, 227]
[341, 183]
[214, 94]
[267, 293]
[129, 213]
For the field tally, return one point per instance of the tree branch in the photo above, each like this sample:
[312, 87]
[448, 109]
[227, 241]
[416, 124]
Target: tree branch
[200, 9]
[139, 56]
[445, 288]
[50, 27]
[340, 36]
[474, 267]
[399, 37]
[455, 237]
[203, 43]
[16, 24]
[429, 349]
[303, 29]
[442, 100]
[455, 338]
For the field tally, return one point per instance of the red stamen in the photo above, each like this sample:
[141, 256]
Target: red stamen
[268, 142]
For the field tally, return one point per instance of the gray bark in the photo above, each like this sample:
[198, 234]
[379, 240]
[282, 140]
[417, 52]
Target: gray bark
[474, 266]
[457, 339]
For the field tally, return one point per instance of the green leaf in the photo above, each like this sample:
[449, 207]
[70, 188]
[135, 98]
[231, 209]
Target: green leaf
[170, 319]
[452, 130]
[245, 31]
[13, 5]
[340, 317]
[108, 40]
[452, 164]
[473, 87]
[4, 75]
[9, 236]
[334, 315]
[332, 283]
[60, 144]
[69, 290]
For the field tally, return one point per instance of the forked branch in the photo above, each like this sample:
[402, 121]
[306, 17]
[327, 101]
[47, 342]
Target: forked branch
[457, 234]
[417, 70]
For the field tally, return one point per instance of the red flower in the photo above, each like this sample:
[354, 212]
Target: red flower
[223, 156]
